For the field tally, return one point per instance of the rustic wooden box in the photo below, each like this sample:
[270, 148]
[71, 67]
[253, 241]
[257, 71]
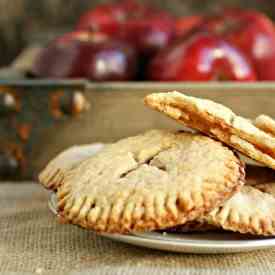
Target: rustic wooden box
[39, 118]
[43, 117]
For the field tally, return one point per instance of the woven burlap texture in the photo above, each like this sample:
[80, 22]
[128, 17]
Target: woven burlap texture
[32, 242]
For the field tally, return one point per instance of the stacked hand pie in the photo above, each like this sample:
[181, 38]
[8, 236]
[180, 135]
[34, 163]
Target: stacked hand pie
[162, 180]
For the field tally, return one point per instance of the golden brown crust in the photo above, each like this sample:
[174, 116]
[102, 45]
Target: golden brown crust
[148, 182]
[248, 211]
[256, 176]
[262, 179]
[266, 123]
[217, 121]
[53, 174]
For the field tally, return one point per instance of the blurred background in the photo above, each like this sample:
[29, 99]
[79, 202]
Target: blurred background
[49, 49]
[24, 22]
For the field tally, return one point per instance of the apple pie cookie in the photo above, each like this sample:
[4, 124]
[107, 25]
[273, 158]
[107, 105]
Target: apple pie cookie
[265, 123]
[147, 182]
[248, 211]
[249, 201]
[217, 121]
[53, 173]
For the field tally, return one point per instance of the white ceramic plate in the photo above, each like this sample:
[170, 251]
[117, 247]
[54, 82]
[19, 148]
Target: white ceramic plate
[207, 243]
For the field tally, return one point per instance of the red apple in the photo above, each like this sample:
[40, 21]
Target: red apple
[146, 28]
[109, 18]
[132, 8]
[82, 54]
[187, 24]
[149, 34]
[201, 57]
[104, 18]
[253, 33]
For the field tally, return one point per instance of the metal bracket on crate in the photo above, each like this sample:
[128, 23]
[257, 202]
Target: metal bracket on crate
[26, 112]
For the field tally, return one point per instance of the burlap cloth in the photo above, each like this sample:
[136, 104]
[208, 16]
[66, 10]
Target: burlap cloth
[32, 242]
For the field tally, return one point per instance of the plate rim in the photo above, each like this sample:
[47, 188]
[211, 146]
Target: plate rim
[215, 243]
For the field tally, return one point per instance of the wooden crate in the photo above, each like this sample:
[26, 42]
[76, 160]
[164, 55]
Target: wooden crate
[39, 118]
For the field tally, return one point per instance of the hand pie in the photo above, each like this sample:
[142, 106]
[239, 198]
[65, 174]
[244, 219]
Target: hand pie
[266, 123]
[53, 173]
[147, 182]
[259, 178]
[217, 121]
[248, 211]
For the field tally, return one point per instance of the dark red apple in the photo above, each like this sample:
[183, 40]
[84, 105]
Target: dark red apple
[201, 57]
[253, 33]
[184, 25]
[104, 18]
[82, 54]
[149, 34]
[145, 27]
[109, 18]
[133, 8]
